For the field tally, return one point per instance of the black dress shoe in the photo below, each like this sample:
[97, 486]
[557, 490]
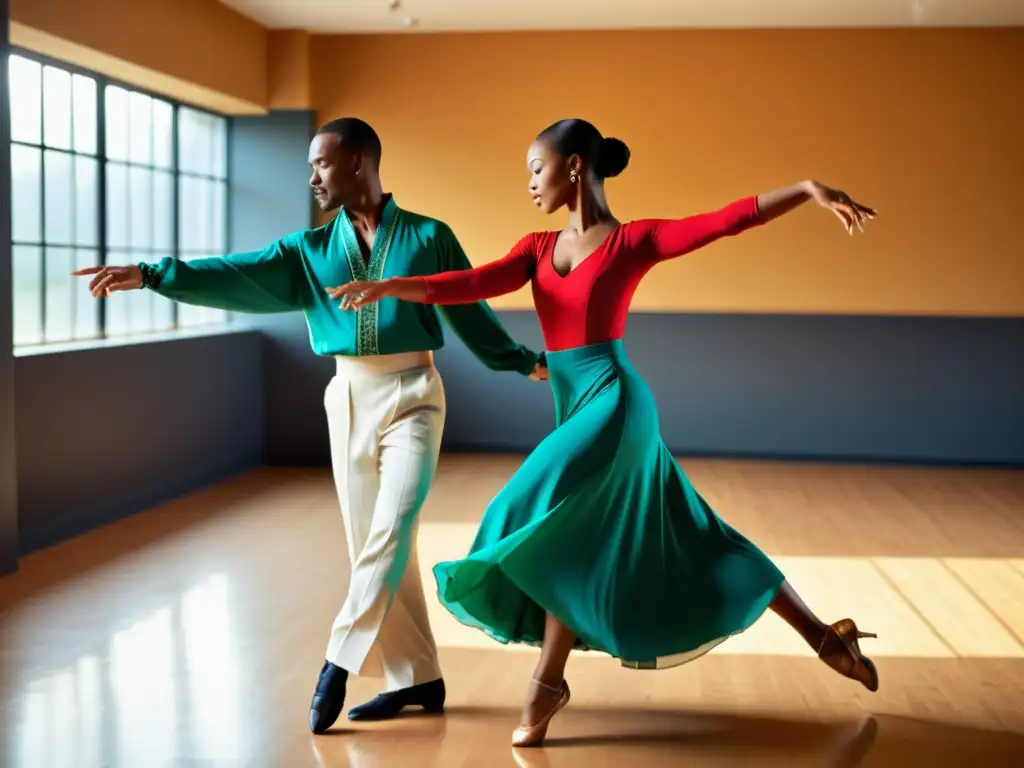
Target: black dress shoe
[430, 696]
[328, 698]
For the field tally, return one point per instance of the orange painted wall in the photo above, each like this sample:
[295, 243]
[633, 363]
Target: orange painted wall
[288, 75]
[925, 125]
[197, 50]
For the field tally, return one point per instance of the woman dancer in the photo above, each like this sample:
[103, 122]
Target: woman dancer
[599, 541]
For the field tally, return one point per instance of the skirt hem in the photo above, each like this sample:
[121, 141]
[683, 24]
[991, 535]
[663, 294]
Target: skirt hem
[668, 661]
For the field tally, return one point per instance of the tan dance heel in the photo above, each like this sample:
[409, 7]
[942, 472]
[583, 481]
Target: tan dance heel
[533, 735]
[841, 651]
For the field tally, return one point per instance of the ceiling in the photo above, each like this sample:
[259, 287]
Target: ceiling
[375, 16]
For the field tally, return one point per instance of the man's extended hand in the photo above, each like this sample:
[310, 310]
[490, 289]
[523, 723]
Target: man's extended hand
[107, 280]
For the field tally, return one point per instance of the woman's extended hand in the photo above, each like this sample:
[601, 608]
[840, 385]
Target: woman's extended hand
[850, 212]
[355, 294]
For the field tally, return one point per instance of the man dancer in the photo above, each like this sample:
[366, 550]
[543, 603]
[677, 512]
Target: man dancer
[385, 405]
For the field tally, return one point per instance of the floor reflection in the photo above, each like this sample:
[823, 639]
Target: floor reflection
[123, 706]
[213, 671]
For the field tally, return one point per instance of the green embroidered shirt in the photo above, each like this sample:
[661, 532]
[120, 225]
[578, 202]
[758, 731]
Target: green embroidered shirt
[293, 274]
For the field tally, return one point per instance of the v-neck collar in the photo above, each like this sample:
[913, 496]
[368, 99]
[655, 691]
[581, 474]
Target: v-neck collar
[600, 247]
[367, 340]
[373, 268]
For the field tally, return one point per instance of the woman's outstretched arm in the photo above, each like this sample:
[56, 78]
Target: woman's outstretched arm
[779, 202]
[671, 238]
[461, 286]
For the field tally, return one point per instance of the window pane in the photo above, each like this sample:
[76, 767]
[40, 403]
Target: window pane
[187, 138]
[163, 309]
[195, 141]
[219, 165]
[56, 107]
[84, 117]
[163, 134]
[87, 309]
[140, 311]
[189, 316]
[26, 194]
[60, 299]
[218, 239]
[27, 268]
[140, 304]
[140, 208]
[86, 196]
[116, 308]
[203, 215]
[206, 228]
[140, 131]
[117, 122]
[59, 210]
[192, 317]
[26, 81]
[163, 211]
[117, 205]
[190, 217]
[185, 211]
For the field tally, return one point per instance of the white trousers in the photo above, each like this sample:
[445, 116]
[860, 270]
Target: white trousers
[385, 415]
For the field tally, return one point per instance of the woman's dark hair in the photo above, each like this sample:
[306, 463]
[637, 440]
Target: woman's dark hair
[606, 156]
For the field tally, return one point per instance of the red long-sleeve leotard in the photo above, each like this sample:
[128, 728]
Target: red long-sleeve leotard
[589, 305]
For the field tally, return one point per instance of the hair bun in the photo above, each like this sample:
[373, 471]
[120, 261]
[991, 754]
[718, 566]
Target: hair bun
[612, 158]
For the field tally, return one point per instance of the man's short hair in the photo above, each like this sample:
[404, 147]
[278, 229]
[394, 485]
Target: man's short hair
[355, 135]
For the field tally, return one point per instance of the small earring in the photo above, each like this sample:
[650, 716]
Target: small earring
[572, 177]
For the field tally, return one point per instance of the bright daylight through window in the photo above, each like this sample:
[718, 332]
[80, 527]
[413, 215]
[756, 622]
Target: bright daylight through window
[104, 174]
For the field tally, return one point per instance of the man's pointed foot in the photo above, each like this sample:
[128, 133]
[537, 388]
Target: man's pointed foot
[430, 696]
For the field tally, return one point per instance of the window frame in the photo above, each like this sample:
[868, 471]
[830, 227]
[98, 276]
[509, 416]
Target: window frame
[102, 248]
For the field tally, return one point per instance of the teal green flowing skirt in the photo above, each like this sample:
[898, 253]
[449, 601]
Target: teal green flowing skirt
[601, 528]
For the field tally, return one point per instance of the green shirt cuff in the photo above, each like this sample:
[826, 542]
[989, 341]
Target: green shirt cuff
[530, 360]
[152, 274]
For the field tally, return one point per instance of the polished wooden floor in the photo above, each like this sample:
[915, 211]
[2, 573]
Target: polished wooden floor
[191, 635]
